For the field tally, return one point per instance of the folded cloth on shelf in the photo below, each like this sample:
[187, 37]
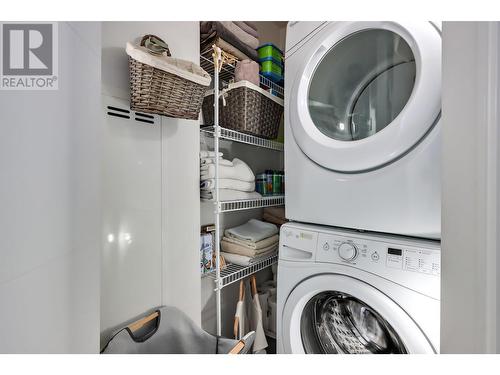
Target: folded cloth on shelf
[204, 161]
[252, 231]
[207, 27]
[245, 26]
[273, 219]
[242, 260]
[210, 31]
[254, 245]
[239, 171]
[230, 247]
[278, 212]
[228, 183]
[275, 215]
[209, 154]
[229, 195]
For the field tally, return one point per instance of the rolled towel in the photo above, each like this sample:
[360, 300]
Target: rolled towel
[229, 195]
[253, 231]
[209, 154]
[204, 161]
[254, 245]
[239, 171]
[227, 183]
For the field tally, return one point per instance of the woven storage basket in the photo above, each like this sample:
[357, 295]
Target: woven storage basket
[248, 109]
[164, 85]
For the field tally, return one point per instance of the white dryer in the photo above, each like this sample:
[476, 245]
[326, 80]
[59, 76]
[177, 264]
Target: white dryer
[362, 132]
[342, 291]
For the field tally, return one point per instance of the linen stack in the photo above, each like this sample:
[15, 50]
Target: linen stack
[250, 242]
[236, 179]
[238, 38]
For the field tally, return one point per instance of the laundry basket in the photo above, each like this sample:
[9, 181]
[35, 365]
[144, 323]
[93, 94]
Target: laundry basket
[162, 84]
[247, 108]
[167, 330]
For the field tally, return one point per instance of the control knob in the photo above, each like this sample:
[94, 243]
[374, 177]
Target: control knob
[347, 251]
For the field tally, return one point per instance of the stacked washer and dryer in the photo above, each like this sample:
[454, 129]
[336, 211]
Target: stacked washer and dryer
[359, 264]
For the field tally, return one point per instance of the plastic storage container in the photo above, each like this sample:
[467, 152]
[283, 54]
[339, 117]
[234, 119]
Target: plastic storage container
[269, 50]
[272, 69]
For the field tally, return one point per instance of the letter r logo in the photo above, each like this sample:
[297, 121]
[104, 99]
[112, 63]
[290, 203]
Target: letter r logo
[27, 49]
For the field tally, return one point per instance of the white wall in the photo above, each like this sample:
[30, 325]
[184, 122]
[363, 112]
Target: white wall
[155, 190]
[50, 152]
[470, 204]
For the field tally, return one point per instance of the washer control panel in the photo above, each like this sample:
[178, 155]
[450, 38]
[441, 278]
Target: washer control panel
[373, 254]
[412, 263]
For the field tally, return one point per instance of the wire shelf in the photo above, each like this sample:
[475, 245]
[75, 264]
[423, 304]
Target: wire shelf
[236, 136]
[226, 74]
[247, 204]
[233, 272]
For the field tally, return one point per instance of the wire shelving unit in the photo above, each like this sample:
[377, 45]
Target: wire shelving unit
[226, 74]
[236, 136]
[223, 73]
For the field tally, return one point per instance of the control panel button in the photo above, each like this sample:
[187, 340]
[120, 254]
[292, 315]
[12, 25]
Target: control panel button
[375, 257]
[326, 246]
[347, 251]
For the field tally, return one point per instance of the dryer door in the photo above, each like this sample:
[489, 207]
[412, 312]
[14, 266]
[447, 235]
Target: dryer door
[368, 93]
[351, 318]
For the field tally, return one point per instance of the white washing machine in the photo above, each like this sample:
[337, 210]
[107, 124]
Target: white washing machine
[362, 132]
[342, 291]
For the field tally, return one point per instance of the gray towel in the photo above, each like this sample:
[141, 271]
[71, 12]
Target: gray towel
[211, 30]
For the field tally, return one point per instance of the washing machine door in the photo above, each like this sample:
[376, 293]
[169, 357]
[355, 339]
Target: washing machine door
[337, 314]
[366, 93]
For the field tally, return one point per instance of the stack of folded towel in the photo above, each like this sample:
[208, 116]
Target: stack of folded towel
[239, 38]
[275, 215]
[236, 179]
[250, 242]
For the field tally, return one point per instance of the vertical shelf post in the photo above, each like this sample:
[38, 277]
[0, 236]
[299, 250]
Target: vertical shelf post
[217, 56]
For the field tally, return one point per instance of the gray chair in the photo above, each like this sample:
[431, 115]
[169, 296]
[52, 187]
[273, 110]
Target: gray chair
[169, 331]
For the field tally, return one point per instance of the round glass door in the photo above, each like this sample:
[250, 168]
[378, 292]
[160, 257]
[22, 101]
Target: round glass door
[361, 85]
[364, 94]
[334, 322]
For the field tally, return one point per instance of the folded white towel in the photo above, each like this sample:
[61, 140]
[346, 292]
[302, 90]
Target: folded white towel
[253, 230]
[229, 195]
[209, 154]
[227, 183]
[239, 171]
[254, 245]
[204, 161]
[242, 260]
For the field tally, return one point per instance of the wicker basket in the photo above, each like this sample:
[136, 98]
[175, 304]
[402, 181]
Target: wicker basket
[163, 85]
[248, 109]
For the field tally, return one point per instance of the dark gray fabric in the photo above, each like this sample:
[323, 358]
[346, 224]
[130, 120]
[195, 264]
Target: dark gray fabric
[210, 30]
[175, 333]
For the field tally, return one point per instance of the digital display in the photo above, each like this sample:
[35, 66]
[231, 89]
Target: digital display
[393, 251]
